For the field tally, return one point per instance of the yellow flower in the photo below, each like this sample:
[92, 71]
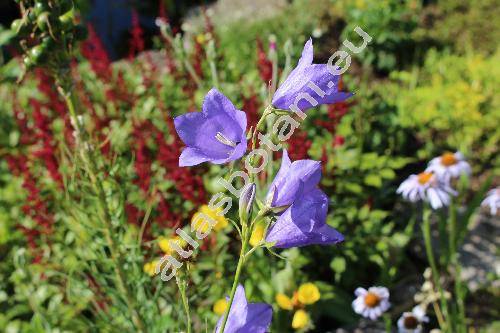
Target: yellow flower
[257, 234]
[220, 307]
[150, 267]
[164, 243]
[284, 301]
[200, 224]
[200, 38]
[300, 319]
[360, 4]
[308, 293]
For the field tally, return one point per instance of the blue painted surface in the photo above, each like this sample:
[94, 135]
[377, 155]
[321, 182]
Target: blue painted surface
[112, 20]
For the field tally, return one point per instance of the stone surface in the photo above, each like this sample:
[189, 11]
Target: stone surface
[227, 11]
[479, 253]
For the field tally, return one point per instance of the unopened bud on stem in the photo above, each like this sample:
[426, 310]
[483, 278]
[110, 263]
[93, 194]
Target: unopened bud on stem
[247, 199]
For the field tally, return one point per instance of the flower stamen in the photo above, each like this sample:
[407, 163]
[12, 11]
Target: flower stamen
[225, 141]
[424, 177]
[372, 300]
[448, 159]
[410, 322]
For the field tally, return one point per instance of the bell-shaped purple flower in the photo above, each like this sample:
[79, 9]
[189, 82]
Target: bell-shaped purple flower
[246, 317]
[216, 134]
[303, 221]
[307, 78]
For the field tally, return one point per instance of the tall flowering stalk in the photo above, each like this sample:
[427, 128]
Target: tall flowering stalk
[52, 51]
[218, 135]
[434, 188]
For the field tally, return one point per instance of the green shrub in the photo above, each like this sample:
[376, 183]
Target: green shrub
[451, 103]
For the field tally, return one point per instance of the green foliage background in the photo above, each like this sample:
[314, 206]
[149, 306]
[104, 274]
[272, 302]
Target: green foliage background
[426, 84]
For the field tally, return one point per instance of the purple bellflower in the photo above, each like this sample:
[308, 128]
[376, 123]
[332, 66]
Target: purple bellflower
[216, 134]
[246, 317]
[307, 78]
[305, 206]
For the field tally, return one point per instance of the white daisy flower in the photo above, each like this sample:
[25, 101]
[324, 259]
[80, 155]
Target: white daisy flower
[411, 322]
[449, 165]
[371, 303]
[426, 186]
[492, 201]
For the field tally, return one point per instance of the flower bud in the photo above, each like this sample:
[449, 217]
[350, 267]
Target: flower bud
[247, 198]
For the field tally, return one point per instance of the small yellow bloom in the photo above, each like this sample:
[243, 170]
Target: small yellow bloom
[284, 301]
[257, 234]
[200, 38]
[220, 307]
[164, 243]
[360, 4]
[300, 319]
[308, 293]
[200, 223]
[150, 267]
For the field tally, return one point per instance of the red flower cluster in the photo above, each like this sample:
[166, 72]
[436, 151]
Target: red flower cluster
[34, 206]
[39, 140]
[198, 57]
[189, 184]
[298, 146]
[137, 40]
[143, 160]
[93, 50]
[251, 107]
[47, 151]
[53, 101]
[264, 65]
[335, 113]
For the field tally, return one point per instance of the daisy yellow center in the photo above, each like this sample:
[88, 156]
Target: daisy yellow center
[448, 159]
[410, 322]
[424, 177]
[372, 300]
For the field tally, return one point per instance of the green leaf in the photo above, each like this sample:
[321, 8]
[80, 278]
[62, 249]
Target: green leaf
[387, 173]
[373, 180]
[338, 265]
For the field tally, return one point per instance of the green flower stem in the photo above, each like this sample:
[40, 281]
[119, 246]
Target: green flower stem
[246, 230]
[185, 302]
[267, 111]
[212, 58]
[239, 267]
[91, 167]
[438, 313]
[456, 266]
[246, 233]
[426, 230]
[388, 323]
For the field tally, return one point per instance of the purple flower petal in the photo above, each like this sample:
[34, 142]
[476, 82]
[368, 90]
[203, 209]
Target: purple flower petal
[188, 124]
[258, 318]
[304, 223]
[245, 317]
[299, 79]
[192, 156]
[217, 134]
[293, 179]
